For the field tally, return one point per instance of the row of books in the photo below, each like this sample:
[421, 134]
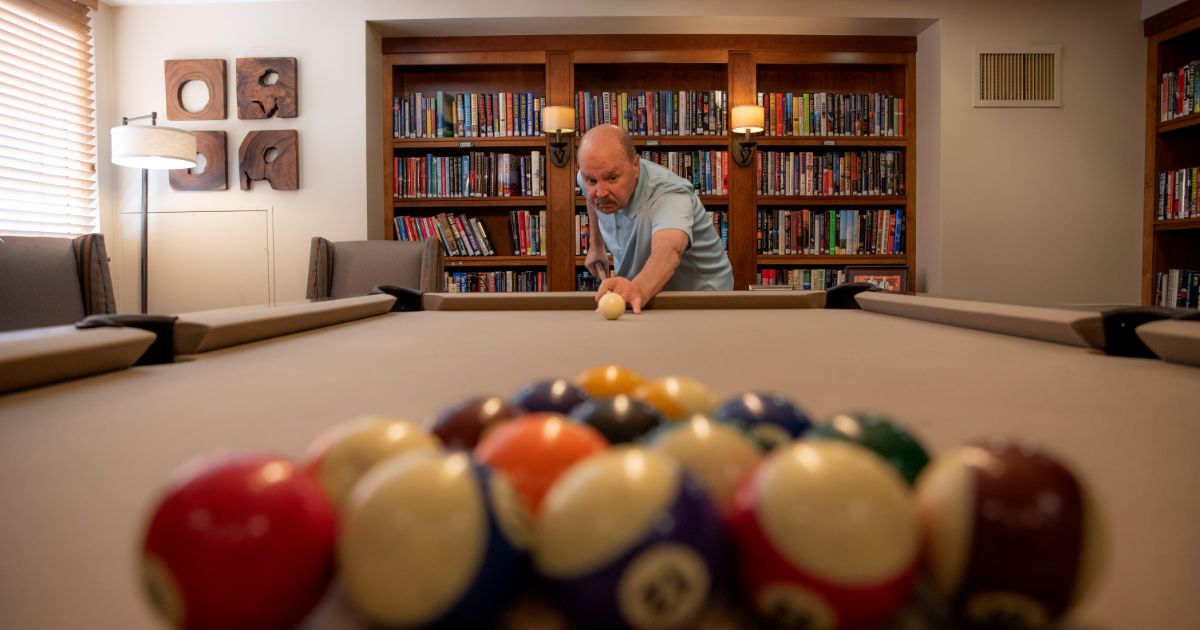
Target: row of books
[585, 281]
[468, 236]
[467, 115]
[805, 279]
[477, 174]
[460, 235]
[495, 281]
[708, 171]
[831, 232]
[1177, 92]
[654, 112]
[1177, 194]
[866, 172]
[1178, 288]
[583, 231]
[832, 114]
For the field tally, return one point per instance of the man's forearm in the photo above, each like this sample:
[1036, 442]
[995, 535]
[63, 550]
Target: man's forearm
[659, 269]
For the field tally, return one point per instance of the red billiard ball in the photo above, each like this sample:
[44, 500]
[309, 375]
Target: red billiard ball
[239, 541]
[1012, 536]
[827, 535]
[535, 449]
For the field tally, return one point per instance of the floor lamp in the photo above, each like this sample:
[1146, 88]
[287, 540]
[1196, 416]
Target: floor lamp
[151, 147]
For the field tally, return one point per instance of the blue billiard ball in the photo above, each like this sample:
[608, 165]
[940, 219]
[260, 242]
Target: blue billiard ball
[627, 539]
[770, 419]
[557, 395]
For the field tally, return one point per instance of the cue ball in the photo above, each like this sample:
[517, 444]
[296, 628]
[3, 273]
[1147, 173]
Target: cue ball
[1012, 536]
[239, 541]
[611, 306]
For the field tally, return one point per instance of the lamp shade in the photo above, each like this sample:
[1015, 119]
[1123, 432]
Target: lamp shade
[746, 119]
[558, 118]
[144, 146]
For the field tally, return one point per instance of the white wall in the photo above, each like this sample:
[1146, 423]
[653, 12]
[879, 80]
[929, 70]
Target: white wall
[1151, 7]
[1019, 205]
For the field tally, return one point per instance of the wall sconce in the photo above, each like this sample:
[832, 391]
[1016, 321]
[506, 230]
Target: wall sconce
[561, 121]
[746, 120]
[151, 147]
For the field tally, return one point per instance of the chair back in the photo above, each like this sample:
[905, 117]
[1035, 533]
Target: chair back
[346, 268]
[48, 281]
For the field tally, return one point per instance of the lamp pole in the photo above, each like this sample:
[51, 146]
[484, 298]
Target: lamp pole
[153, 116]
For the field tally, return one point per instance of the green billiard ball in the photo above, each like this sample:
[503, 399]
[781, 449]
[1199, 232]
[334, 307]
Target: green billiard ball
[880, 434]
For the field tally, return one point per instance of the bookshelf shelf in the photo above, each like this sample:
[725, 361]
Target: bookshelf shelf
[1191, 121]
[802, 259]
[1170, 228]
[688, 82]
[513, 142]
[495, 261]
[469, 202]
[832, 141]
[1167, 225]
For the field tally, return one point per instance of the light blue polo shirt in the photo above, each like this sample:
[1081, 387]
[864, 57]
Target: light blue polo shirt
[664, 200]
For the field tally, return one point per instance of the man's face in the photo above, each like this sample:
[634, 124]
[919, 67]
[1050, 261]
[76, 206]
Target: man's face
[609, 177]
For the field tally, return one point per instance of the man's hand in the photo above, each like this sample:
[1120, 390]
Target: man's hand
[596, 261]
[626, 288]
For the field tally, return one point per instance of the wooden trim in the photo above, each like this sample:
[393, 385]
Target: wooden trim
[829, 57]
[743, 185]
[1173, 16]
[910, 171]
[900, 44]
[560, 182]
[1167, 225]
[1150, 175]
[480, 58]
[765, 260]
[651, 56]
[474, 202]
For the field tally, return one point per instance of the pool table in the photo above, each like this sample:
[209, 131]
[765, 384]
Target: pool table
[82, 461]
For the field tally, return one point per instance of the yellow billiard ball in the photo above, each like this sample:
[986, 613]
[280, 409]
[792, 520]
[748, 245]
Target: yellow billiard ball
[611, 306]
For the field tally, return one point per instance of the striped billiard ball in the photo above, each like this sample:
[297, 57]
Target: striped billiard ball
[1011, 534]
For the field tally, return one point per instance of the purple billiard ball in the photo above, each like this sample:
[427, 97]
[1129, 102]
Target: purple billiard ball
[557, 395]
[627, 539]
[770, 419]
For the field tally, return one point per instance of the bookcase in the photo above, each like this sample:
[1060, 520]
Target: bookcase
[831, 188]
[1171, 221]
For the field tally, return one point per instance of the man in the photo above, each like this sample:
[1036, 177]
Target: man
[651, 220]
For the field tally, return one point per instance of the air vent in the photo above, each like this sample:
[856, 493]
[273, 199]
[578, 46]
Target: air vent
[1029, 76]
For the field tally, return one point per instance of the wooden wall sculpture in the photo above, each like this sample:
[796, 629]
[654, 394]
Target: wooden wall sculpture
[210, 144]
[255, 98]
[283, 172]
[210, 72]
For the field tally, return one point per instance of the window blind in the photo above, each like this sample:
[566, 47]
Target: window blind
[47, 118]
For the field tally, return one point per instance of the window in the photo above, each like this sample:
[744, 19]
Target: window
[47, 118]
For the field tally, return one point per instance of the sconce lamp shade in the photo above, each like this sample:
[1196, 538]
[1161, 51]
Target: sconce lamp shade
[153, 147]
[746, 119]
[558, 118]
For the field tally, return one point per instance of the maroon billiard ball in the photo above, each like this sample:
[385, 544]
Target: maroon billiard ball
[239, 541]
[463, 423]
[1011, 535]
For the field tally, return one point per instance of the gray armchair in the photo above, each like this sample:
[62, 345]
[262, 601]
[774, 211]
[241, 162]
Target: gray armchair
[47, 281]
[349, 268]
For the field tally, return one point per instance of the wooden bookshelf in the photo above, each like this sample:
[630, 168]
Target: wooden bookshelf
[738, 67]
[1173, 41]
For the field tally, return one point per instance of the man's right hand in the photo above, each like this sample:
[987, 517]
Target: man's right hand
[596, 261]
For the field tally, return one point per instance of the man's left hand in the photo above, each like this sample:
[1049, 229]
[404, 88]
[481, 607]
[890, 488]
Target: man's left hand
[624, 287]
